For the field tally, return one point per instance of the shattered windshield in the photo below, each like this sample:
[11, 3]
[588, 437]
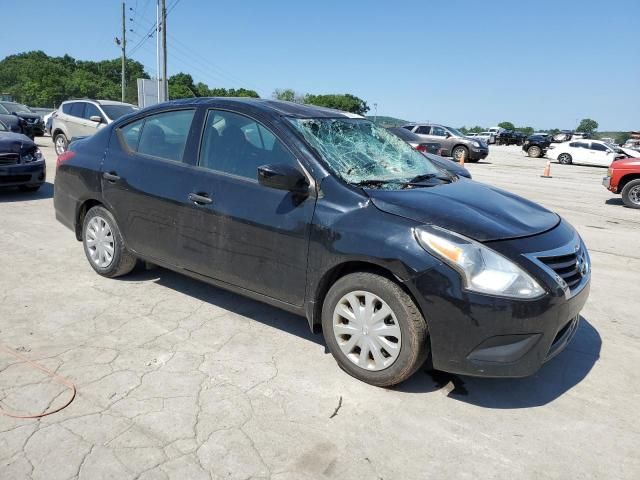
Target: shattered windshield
[359, 151]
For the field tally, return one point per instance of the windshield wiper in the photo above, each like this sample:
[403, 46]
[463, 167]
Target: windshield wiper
[418, 180]
[373, 182]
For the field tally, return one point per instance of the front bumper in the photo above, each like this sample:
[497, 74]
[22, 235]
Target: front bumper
[482, 335]
[478, 153]
[33, 173]
[606, 182]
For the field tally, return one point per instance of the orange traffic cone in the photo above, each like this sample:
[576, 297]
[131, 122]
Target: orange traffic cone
[547, 171]
[462, 158]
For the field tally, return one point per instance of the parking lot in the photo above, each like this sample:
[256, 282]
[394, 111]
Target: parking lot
[178, 379]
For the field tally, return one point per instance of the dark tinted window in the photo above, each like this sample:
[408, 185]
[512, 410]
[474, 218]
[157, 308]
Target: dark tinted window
[408, 127]
[117, 111]
[599, 147]
[66, 108]
[236, 144]
[90, 110]
[438, 131]
[579, 145]
[423, 130]
[77, 109]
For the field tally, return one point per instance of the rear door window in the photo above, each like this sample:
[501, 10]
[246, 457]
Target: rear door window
[77, 109]
[163, 135]
[423, 130]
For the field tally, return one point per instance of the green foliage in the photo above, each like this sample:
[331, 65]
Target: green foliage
[287, 95]
[387, 121]
[587, 125]
[526, 130]
[346, 102]
[507, 125]
[38, 80]
[181, 86]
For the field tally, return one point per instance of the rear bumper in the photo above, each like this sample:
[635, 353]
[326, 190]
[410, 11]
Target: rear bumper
[34, 173]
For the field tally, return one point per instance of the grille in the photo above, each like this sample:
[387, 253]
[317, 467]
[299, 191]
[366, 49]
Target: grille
[571, 268]
[9, 158]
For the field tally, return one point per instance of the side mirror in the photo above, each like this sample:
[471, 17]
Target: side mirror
[283, 177]
[96, 118]
[447, 135]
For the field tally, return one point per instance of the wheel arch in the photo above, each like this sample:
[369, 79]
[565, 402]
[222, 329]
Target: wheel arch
[626, 179]
[314, 307]
[81, 212]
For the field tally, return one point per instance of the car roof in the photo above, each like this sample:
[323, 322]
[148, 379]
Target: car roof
[278, 107]
[99, 102]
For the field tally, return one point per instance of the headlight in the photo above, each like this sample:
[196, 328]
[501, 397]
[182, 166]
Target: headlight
[476, 144]
[483, 270]
[32, 156]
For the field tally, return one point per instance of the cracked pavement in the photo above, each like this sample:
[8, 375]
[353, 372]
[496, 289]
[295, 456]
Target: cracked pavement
[180, 380]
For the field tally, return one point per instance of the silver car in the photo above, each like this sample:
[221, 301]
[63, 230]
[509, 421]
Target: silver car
[453, 142]
[81, 118]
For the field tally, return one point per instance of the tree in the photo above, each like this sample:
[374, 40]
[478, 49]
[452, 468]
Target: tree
[526, 130]
[507, 125]
[622, 137]
[346, 102]
[587, 125]
[287, 95]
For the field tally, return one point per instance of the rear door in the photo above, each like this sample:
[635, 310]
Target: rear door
[237, 230]
[142, 180]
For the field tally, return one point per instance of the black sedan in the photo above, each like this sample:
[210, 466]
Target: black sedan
[326, 215]
[33, 125]
[21, 163]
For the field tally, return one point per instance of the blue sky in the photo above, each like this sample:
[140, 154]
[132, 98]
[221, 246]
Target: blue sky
[460, 62]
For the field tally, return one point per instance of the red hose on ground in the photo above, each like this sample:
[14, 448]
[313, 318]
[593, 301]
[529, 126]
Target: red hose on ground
[59, 379]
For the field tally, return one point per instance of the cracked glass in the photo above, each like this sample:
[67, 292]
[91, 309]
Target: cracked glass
[358, 151]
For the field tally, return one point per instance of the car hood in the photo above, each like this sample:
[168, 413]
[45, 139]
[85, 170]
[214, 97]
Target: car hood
[632, 163]
[469, 208]
[15, 143]
[28, 116]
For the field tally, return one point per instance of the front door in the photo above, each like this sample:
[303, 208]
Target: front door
[142, 181]
[234, 229]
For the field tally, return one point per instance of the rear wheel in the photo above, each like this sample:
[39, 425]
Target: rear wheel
[104, 245]
[60, 143]
[631, 194]
[374, 329]
[534, 151]
[565, 159]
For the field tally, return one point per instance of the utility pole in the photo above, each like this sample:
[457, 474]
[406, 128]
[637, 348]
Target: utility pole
[165, 83]
[158, 49]
[124, 53]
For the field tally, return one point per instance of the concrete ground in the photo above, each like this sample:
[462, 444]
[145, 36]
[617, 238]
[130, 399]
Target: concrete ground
[180, 380]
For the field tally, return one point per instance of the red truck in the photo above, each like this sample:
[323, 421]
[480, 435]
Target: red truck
[623, 177]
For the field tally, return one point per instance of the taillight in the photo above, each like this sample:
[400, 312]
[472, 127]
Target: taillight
[421, 148]
[65, 157]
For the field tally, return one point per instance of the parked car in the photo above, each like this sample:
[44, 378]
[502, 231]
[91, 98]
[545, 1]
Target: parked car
[328, 216]
[536, 145]
[562, 136]
[453, 142]
[495, 131]
[34, 123]
[510, 137]
[584, 152]
[430, 150]
[21, 162]
[81, 118]
[632, 143]
[488, 137]
[623, 177]
[15, 124]
[48, 121]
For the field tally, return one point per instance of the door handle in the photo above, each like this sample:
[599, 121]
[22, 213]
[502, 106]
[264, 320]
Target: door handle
[200, 198]
[110, 177]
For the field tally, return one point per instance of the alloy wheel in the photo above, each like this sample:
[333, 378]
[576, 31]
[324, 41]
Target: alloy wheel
[634, 195]
[367, 330]
[100, 242]
[60, 147]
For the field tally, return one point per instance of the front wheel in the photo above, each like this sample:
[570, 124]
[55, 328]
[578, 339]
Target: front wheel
[565, 159]
[104, 245]
[459, 151]
[631, 194]
[373, 329]
[534, 151]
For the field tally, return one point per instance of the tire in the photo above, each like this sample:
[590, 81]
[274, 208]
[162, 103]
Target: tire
[29, 188]
[404, 323]
[631, 194]
[565, 159]
[60, 143]
[96, 242]
[534, 151]
[457, 152]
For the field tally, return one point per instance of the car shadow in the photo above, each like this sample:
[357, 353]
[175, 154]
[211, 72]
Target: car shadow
[614, 201]
[556, 377]
[13, 194]
[482, 162]
[233, 302]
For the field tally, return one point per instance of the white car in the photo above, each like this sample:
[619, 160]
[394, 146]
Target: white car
[585, 152]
